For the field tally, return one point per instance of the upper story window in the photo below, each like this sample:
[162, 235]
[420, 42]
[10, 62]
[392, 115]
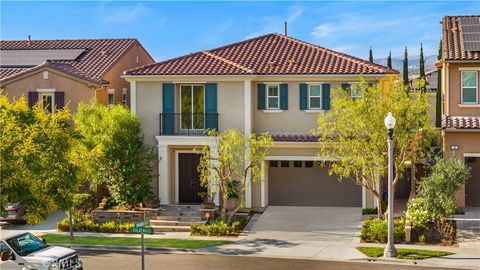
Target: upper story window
[111, 97]
[469, 81]
[47, 101]
[356, 90]
[192, 106]
[273, 97]
[315, 96]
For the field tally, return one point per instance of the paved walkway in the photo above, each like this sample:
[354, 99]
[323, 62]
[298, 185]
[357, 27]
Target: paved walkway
[468, 227]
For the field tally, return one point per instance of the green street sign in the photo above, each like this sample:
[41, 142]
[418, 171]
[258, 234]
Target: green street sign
[142, 224]
[142, 230]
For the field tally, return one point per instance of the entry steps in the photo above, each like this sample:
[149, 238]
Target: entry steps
[177, 218]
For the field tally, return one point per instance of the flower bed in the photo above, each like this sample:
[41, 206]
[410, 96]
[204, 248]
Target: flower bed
[219, 228]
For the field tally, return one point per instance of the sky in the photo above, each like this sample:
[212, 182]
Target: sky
[170, 29]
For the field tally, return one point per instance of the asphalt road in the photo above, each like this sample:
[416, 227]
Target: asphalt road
[102, 260]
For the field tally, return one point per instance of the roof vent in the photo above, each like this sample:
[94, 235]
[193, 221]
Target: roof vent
[292, 62]
[271, 64]
[29, 40]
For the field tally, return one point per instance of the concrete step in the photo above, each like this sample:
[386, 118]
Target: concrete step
[180, 207]
[181, 213]
[179, 218]
[156, 222]
[171, 228]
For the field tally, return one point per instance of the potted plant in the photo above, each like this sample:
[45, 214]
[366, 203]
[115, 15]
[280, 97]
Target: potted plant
[207, 199]
[232, 193]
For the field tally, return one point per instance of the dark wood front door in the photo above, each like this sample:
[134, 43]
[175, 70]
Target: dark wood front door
[189, 178]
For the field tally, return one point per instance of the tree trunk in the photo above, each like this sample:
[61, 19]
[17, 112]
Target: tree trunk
[413, 183]
[379, 205]
[70, 222]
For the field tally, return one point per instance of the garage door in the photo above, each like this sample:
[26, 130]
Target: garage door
[303, 183]
[472, 188]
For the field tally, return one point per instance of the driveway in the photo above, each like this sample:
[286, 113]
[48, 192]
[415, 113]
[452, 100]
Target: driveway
[468, 228]
[49, 226]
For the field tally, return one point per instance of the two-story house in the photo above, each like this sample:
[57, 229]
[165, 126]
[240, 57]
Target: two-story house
[60, 72]
[272, 83]
[460, 94]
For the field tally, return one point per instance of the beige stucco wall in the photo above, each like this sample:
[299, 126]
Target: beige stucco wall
[149, 107]
[75, 90]
[453, 98]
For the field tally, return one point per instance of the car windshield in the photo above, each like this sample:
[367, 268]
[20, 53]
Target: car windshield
[25, 244]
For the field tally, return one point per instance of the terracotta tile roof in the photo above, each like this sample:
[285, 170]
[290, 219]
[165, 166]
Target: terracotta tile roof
[452, 40]
[100, 54]
[272, 54]
[8, 72]
[460, 122]
[294, 138]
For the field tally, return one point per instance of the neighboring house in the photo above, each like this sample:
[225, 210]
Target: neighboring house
[272, 83]
[60, 72]
[460, 94]
[431, 80]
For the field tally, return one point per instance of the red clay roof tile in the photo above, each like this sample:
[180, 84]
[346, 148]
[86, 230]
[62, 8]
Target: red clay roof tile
[452, 40]
[460, 122]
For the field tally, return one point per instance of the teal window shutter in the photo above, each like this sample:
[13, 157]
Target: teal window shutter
[346, 86]
[261, 96]
[326, 96]
[303, 96]
[211, 118]
[284, 96]
[168, 105]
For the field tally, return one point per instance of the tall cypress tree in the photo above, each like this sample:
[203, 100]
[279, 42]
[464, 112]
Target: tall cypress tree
[405, 69]
[422, 68]
[389, 60]
[370, 55]
[438, 104]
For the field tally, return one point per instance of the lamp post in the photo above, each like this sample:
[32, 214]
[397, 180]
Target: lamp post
[390, 250]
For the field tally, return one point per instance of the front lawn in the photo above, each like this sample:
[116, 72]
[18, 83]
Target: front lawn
[132, 241]
[404, 253]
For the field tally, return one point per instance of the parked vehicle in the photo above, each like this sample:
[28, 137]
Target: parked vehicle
[26, 251]
[15, 213]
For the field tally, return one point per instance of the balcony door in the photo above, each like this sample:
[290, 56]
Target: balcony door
[192, 107]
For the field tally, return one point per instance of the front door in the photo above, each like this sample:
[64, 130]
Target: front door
[189, 178]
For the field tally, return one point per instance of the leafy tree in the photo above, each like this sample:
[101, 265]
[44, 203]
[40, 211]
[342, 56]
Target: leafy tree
[389, 60]
[114, 153]
[238, 157]
[405, 70]
[353, 133]
[438, 103]
[370, 55]
[422, 68]
[35, 159]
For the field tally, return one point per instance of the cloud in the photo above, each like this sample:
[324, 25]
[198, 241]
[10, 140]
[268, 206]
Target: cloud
[275, 23]
[125, 14]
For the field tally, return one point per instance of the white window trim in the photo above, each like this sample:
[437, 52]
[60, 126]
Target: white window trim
[43, 94]
[191, 93]
[461, 88]
[272, 111]
[108, 97]
[46, 90]
[320, 96]
[314, 111]
[350, 85]
[268, 97]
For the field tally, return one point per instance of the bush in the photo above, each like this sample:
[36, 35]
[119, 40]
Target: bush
[373, 211]
[419, 215]
[375, 230]
[90, 226]
[219, 227]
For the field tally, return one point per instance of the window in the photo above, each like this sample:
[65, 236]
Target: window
[285, 164]
[124, 96]
[273, 163]
[308, 164]
[111, 97]
[469, 87]
[297, 164]
[47, 102]
[273, 97]
[192, 106]
[356, 90]
[315, 96]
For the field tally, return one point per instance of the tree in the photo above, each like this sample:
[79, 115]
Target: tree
[35, 158]
[238, 157]
[438, 103]
[405, 70]
[353, 133]
[422, 69]
[389, 60]
[114, 153]
[370, 55]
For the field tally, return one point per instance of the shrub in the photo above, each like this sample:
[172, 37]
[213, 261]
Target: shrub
[90, 226]
[419, 215]
[375, 230]
[373, 211]
[219, 227]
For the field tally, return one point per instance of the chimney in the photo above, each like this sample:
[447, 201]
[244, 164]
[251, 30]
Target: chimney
[29, 40]
[285, 28]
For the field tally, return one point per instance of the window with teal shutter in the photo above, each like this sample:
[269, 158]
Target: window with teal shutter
[168, 108]
[261, 96]
[284, 96]
[303, 96]
[346, 86]
[325, 96]
[211, 106]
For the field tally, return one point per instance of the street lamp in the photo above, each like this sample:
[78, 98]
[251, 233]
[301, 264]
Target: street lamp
[390, 250]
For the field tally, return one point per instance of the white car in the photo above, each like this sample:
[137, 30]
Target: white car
[26, 251]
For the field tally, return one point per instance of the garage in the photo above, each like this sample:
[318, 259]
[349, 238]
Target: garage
[306, 183]
[472, 187]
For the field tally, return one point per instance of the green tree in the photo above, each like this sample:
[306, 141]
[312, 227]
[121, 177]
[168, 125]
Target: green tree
[438, 102]
[389, 60]
[370, 55]
[422, 69]
[353, 134]
[238, 157]
[114, 153]
[405, 70]
[35, 159]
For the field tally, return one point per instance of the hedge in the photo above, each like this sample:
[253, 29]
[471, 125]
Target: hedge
[219, 228]
[375, 230]
[90, 226]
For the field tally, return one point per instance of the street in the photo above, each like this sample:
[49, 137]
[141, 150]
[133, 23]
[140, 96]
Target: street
[131, 261]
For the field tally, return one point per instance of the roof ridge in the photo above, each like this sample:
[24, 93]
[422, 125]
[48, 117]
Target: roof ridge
[230, 62]
[67, 39]
[163, 62]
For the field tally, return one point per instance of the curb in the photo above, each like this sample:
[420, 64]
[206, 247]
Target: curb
[419, 263]
[129, 248]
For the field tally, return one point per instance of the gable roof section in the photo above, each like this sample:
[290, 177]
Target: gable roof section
[99, 57]
[452, 40]
[272, 54]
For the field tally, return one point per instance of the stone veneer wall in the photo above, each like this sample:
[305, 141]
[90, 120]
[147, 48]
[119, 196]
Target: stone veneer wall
[123, 216]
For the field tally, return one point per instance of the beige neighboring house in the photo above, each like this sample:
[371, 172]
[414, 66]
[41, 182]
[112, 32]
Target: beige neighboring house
[461, 102]
[272, 83]
[60, 72]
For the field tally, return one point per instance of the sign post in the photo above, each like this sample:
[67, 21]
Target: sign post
[140, 227]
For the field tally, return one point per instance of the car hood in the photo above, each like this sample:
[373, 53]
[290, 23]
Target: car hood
[53, 252]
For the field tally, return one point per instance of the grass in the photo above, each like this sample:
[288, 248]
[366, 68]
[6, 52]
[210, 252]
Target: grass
[132, 241]
[404, 253]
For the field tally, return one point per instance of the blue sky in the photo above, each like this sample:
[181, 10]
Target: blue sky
[169, 29]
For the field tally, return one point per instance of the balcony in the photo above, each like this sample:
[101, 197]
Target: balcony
[190, 124]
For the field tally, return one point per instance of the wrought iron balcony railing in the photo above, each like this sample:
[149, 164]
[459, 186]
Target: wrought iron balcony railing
[187, 123]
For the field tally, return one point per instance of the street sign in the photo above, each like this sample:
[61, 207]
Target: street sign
[142, 230]
[141, 224]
